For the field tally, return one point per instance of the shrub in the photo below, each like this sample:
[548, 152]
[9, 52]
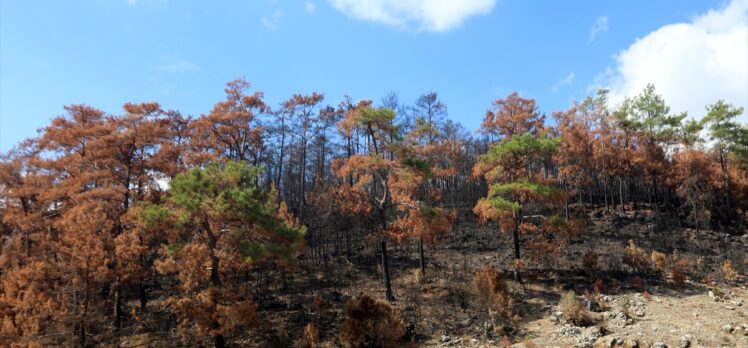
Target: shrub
[680, 270]
[635, 257]
[679, 277]
[730, 273]
[708, 279]
[591, 261]
[598, 286]
[310, 338]
[573, 309]
[659, 262]
[492, 294]
[371, 322]
[637, 282]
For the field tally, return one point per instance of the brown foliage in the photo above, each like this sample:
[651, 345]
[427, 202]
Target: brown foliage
[493, 295]
[729, 271]
[371, 322]
[636, 258]
[659, 262]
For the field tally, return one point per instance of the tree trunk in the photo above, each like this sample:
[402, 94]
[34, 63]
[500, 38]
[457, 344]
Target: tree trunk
[422, 259]
[517, 276]
[726, 178]
[219, 341]
[620, 194]
[517, 257]
[117, 306]
[143, 296]
[302, 180]
[386, 271]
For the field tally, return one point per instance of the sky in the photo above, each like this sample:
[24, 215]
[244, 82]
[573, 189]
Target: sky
[181, 53]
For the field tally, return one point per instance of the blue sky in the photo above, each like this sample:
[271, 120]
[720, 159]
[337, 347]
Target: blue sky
[181, 53]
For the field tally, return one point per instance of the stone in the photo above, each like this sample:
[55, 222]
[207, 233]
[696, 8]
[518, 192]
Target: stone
[639, 312]
[711, 295]
[728, 328]
[685, 341]
[445, 338]
[568, 330]
[659, 345]
[593, 306]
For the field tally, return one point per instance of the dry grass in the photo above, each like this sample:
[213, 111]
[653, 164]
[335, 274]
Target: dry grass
[573, 309]
[636, 258]
[729, 271]
[659, 262]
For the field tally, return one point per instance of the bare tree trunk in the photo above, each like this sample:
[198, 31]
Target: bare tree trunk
[386, 271]
[422, 259]
[517, 257]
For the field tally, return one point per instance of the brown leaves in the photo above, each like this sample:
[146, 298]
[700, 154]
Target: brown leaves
[510, 116]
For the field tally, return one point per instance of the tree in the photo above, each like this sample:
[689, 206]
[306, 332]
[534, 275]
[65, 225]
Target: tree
[430, 113]
[306, 123]
[728, 137]
[508, 166]
[693, 177]
[512, 115]
[373, 171]
[231, 130]
[220, 224]
[657, 129]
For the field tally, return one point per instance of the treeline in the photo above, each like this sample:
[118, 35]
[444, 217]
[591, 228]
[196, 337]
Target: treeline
[103, 209]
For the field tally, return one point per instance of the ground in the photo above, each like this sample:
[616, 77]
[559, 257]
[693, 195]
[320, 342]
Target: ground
[636, 308]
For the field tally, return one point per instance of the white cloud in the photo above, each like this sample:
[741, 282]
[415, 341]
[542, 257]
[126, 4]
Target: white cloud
[424, 15]
[310, 6]
[132, 2]
[691, 64]
[272, 21]
[178, 66]
[567, 80]
[600, 26]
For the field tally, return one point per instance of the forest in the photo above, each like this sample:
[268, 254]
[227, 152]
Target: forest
[368, 223]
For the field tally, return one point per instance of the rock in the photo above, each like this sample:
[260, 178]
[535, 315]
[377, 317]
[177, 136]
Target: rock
[685, 341]
[445, 339]
[619, 341]
[730, 308]
[593, 306]
[659, 345]
[639, 312]
[568, 330]
[612, 342]
[711, 295]
[488, 329]
[728, 328]
[557, 317]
